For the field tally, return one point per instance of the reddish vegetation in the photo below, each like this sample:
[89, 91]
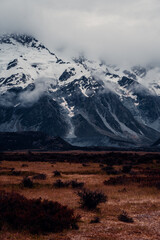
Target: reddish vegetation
[147, 181]
[74, 184]
[35, 215]
[123, 217]
[91, 199]
[132, 181]
[116, 158]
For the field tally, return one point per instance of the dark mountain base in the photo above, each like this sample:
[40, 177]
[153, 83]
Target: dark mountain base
[10, 141]
[38, 141]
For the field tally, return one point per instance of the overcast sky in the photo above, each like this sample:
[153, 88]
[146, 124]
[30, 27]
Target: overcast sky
[117, 30]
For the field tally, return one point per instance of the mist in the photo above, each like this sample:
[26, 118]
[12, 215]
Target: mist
[118, 31]
[29, 97]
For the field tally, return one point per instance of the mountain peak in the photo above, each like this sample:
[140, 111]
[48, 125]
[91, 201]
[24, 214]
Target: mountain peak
[23, 39]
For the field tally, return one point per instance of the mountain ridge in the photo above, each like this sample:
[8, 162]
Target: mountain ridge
[76, 100]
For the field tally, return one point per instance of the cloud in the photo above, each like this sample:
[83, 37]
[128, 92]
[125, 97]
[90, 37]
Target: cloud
[116, 30]
[8, 99]
[29, 97]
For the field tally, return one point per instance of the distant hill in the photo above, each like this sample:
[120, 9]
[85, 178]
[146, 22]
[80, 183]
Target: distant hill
[31, 140]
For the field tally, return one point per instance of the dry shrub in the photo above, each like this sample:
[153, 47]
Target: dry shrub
[85, 165]
[127, 169]
[15, 173]
[76, 184]
[57, 174]
[150, 172]
[20, 173]
[95, 220]
[124, 190]
[40, 176]
[123, 217]
[120, 180]
[35, 215]
[91, 199]
[24, 165]
[110, 170]
[27, 183]
[60, 184]
[143, 181]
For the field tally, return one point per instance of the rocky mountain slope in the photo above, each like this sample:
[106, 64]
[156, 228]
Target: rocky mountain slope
[86, 102]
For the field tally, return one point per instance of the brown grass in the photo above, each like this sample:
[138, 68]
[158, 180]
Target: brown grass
[141, 203]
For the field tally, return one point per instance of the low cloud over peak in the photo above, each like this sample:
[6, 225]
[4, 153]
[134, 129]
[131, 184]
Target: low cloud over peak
[117, 30]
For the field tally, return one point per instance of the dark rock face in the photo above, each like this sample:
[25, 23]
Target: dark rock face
[67, 74]
[156, 143]
[23, 39]
[149, 107]
[148, 104]
[129, 74]
[126, 82]
[83, 127]
[44, 115]
[139, 71]
[12, 64]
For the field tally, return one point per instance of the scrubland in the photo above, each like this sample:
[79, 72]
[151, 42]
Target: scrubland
[130, 183]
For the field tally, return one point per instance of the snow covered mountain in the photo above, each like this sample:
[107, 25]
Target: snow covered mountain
[87, 102]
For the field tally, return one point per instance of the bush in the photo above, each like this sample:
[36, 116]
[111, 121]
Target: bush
[76, 184]
[95, 220]
[57, 174]
[101, 165]
[24, 165]
[35, 215]
[143, 181]
[40, 176]
[123, 217]
[60, 184]
[90, 199]
[15, 173]
[73, 184]
[21, 173]
[27, 182]
[117, 180]
[124, 190]
[85, 165]
[110, 170]
[1, 224]
[157, 185]
[127, 169]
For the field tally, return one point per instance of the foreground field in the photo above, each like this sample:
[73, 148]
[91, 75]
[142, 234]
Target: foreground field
[137, 192]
